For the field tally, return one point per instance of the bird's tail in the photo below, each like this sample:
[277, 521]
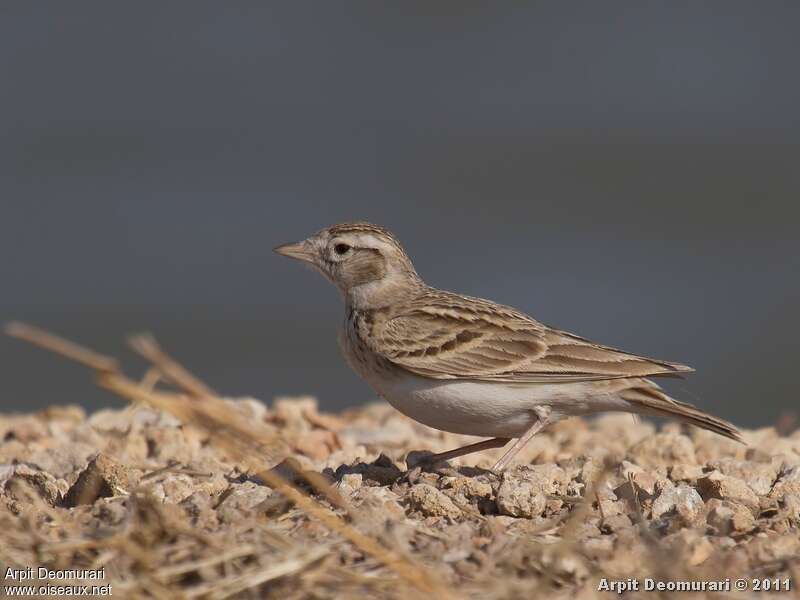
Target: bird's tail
[650, 400]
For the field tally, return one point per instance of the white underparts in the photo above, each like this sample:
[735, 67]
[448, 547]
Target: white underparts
[491, 409]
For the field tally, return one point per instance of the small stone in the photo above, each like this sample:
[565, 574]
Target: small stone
[615, 523]
[102, 477]
[23, 428]
[289, 411]
[417, 475]
[760, 476]
[13, 451]
[639, 485]
[46, 486]
[663, 448]
[63, 413]
[473, 491]
[317, 444]
[251, 408]
[241, 501]
[683, 500]
[687, 473]
[646, 482]
[521, 494]
[550, 478]
[172, 488]
[171, 444]
[380, 472]
[590, 471]
[109, 420]
[199, 507]
[724, 487]
[349, 483]
[429, 501]
[385, 501]
[768, 549]
[64, 459]
[728, 517]
[611, 508]
[110, 511]
[466, 489]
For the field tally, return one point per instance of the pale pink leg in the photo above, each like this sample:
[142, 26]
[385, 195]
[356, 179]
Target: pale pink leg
[540, 423]
[463, 451]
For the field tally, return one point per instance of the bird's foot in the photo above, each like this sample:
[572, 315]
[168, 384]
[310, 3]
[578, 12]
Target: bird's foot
[422, 459]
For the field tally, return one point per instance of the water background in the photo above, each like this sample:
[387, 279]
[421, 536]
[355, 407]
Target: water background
[625, 171]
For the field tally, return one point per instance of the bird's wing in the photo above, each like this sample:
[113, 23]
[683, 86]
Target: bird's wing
[452, 337]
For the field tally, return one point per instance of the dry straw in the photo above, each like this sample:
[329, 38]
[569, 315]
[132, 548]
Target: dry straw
[255, 447]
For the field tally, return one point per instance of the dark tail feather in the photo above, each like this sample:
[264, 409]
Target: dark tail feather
[654, 402]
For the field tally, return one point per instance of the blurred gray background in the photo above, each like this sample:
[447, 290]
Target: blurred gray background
[626, 171]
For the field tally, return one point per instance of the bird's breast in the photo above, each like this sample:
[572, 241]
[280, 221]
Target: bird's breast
[368, 365]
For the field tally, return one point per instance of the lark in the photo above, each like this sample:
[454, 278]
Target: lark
[472, 366]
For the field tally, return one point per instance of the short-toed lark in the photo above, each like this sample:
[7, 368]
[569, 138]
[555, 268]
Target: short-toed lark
[472, 366]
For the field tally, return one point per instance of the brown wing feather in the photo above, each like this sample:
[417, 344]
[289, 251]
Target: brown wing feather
[446, 336]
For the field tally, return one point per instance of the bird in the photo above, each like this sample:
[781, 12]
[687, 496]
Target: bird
[472, 366]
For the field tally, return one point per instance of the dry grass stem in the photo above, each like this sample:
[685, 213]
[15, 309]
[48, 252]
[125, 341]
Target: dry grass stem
[246, 442]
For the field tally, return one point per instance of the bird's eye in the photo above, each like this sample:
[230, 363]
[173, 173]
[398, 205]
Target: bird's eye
[341, 249]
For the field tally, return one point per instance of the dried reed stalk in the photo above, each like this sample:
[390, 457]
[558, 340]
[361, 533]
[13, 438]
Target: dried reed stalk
[243, 439]
[147, 346]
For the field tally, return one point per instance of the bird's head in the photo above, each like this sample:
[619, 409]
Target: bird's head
[364, 261]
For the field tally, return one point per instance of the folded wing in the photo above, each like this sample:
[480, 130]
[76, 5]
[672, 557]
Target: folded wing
[447, 338]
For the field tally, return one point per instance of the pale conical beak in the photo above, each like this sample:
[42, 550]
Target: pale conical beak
[300, 251]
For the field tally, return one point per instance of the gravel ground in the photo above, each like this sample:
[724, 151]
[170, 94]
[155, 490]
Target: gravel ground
[169, 513]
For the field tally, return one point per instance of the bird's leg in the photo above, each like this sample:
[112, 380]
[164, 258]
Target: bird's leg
[455, 453]
[542, 420]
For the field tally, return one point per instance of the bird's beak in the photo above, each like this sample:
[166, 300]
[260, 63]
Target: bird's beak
[300, 251]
